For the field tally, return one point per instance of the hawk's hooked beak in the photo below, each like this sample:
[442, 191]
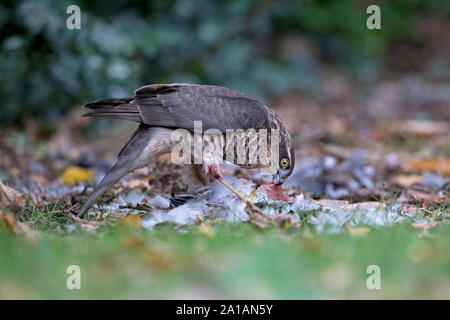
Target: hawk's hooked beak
[277, 179]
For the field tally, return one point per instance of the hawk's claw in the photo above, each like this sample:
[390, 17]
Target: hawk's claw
[251, 196]
[237, 193]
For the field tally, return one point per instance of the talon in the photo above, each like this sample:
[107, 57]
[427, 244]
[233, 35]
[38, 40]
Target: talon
[250, 197]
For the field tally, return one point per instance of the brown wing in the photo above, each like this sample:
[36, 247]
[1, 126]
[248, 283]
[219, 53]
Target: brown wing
[179, 105]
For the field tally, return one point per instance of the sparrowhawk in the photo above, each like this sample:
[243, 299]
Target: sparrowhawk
[163, 108]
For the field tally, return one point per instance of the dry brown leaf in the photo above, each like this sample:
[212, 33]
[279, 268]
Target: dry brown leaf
[6, 222]
[206, 229]
[362, 205]
[9, 224]
[426, 199]
[261, 220]
[409, 210]
[256, 216]
[132, 220]
[357, 231]
[89, 227]
[286, 221]
[136, 184]
[9, 196]
[91, 222]
[424, 225]
[406, 181]
[435, 164]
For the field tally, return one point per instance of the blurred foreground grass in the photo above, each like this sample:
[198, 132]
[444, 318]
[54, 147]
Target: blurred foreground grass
[227, 261]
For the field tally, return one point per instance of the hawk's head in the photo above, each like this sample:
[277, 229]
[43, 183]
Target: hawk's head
[286, 160]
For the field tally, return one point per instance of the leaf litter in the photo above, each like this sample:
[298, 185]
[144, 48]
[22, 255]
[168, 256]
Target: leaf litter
[397, 173]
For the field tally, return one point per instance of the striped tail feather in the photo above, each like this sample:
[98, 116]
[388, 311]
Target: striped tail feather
[114, 108]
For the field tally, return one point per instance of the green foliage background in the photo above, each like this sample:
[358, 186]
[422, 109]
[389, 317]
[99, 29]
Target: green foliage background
[45, 69]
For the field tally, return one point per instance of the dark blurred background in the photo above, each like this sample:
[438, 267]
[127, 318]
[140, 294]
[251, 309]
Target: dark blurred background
[262, 48]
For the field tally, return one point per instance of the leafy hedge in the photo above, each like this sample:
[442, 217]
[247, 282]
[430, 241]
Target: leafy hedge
[45, 68]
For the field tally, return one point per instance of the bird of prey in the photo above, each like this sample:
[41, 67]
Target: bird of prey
[162, 108]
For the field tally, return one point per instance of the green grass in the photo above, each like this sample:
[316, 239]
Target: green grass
[239, 261]
[44, 218]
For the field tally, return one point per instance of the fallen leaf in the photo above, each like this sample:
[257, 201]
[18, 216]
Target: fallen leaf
[256, 216]
[9, 224]
[10, 196]
[424, 225]
[136, 184]
[409, 210]
[357, 231]
[75, 175]
[435, 164]
[286, 221]
[425, 199]
[88, 227]
[361, 205]
[406, 181]
[261, 220]
[82, 221]
[132, 220]
[206, 229]
[6, 222]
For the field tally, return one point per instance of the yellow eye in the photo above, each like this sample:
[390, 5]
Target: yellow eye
[284, 163]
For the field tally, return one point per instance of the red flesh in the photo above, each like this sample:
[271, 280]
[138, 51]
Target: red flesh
[275, 192]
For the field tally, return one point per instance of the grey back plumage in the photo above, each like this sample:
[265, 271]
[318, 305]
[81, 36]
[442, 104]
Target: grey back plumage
[179, 105]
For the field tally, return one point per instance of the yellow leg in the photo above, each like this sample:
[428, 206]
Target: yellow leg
[240, 196]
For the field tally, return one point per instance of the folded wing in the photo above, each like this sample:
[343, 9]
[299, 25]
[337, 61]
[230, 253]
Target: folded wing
[179, 105]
